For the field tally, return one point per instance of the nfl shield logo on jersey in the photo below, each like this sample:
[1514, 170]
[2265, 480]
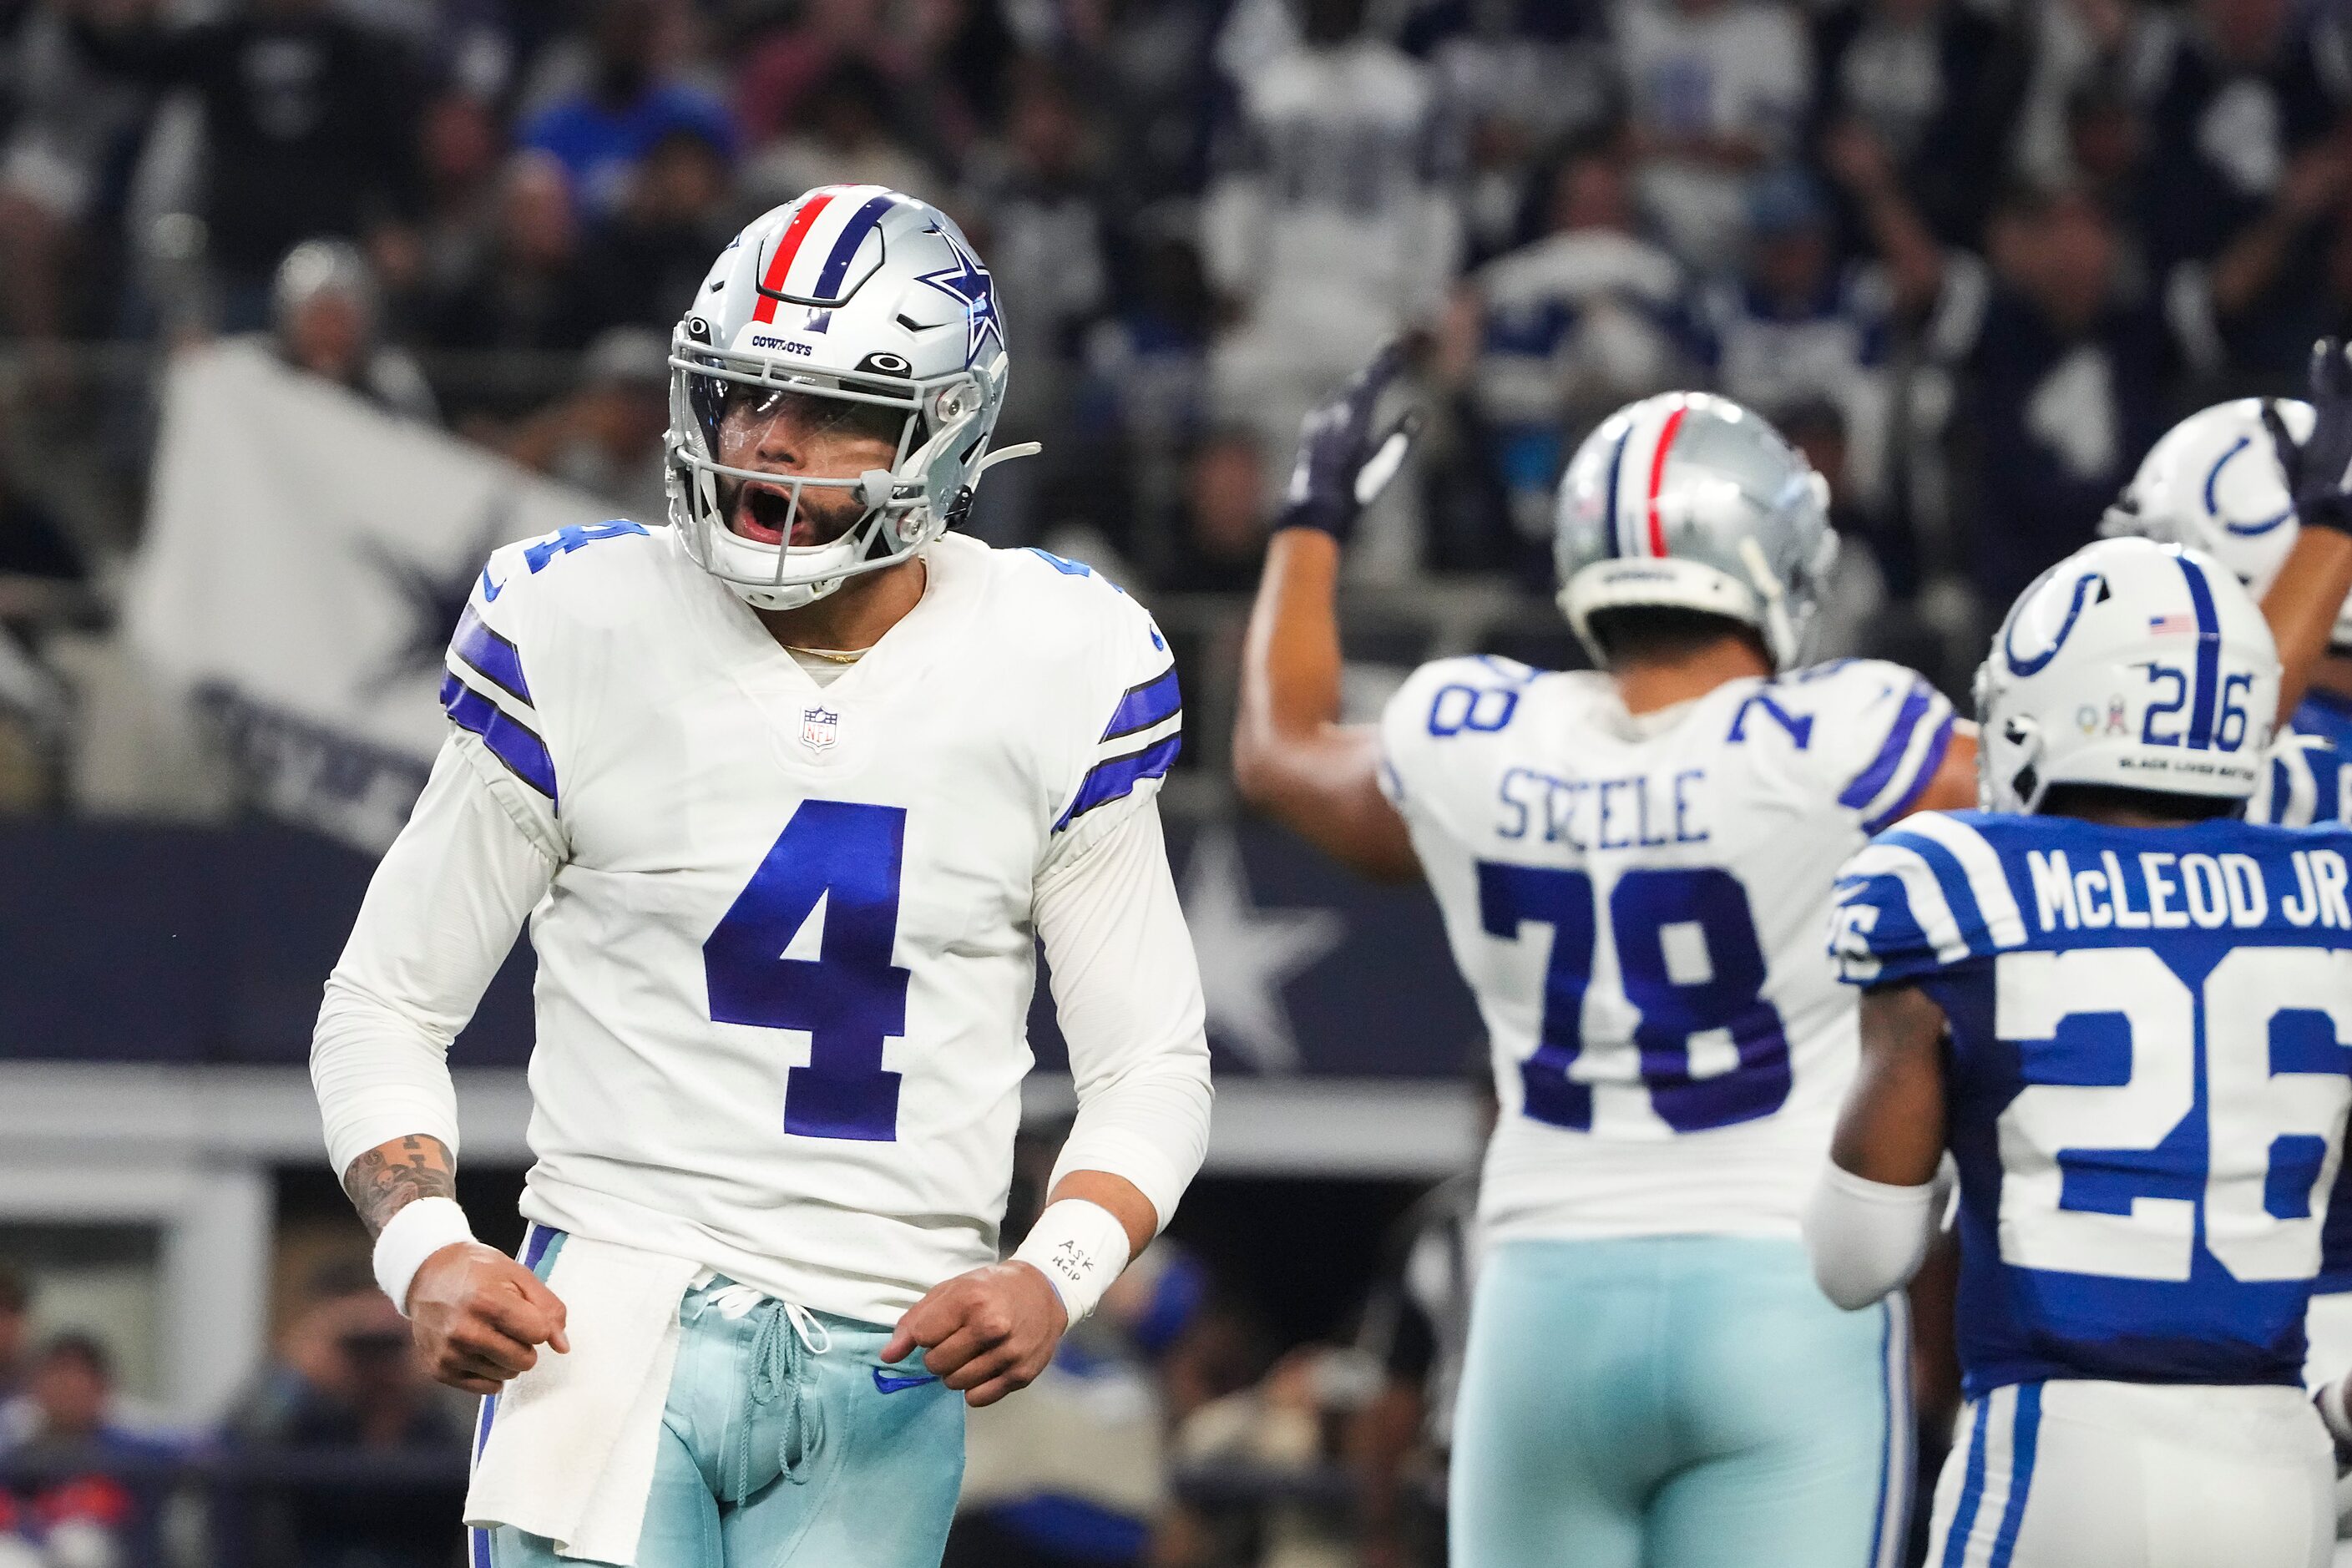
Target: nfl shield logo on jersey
[819, 726]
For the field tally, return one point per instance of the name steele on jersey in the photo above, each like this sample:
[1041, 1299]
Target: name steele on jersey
[1583, 814]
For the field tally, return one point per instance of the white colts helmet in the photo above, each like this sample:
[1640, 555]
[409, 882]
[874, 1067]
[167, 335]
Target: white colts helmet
[2132, 665]
[855, 294]
[2214, 483]
[1689, 502]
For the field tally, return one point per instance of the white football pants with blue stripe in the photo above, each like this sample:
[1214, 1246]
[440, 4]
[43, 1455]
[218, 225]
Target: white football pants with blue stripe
[1677, 1402]
[773, 1453]
[2123, 1475]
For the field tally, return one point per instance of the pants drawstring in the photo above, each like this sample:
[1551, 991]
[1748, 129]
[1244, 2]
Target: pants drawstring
[778, 1369]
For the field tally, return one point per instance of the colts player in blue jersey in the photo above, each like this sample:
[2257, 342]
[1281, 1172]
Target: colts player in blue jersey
[2241, 480]
[2127, 1014]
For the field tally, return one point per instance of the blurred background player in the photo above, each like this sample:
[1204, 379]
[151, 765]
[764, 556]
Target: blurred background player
[1633, 867]
[791, 789]
[2125, 1011]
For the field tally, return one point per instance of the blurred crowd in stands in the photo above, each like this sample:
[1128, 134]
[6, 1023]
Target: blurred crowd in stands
[1972, 254]
[1172, 1430]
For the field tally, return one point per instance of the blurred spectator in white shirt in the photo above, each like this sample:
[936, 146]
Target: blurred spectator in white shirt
[1715, 89]
[1330, 231]
[1548, 338]
[329, 319]
[1796, 325]
[1517, 77]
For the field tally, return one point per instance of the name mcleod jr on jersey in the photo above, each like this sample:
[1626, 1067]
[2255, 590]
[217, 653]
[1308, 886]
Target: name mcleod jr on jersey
[2171, 892]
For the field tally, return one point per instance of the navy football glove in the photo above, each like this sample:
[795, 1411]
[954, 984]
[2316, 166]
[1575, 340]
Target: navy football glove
[2319, 471]
[1342, 466]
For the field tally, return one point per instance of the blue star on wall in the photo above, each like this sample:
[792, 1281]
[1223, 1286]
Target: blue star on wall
[968, 283]
[436, 597]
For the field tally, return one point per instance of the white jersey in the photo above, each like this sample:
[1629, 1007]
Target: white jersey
[787, 931]
[1640, 904]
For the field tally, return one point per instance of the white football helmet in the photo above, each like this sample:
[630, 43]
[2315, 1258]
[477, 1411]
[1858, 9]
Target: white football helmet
[1690, 501]
[857, 295]
[2214, 483]
[2133, 665]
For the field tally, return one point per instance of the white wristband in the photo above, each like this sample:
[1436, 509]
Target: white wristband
[1079, 1248]
[420, 1229]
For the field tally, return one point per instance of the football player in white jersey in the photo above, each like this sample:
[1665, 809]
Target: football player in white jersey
[789, 790]
[1632, 866]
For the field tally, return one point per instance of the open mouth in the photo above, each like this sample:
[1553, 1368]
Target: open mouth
[763, 512]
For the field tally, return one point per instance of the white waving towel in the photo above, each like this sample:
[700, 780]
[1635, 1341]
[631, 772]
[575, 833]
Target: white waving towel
[570, 1452]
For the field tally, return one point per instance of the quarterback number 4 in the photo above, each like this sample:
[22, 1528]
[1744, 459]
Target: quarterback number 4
[850, 998]
[2274, 1020]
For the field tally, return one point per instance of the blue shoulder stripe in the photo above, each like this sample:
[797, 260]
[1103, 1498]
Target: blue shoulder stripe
[1874, 778]
[498, 660]
[1930, 760]
[524, 753]
[1149, 702]
[1951, 880]
[1117, 778]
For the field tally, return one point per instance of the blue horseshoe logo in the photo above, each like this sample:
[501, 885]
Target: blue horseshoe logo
[2213, 507]
[2025, 666]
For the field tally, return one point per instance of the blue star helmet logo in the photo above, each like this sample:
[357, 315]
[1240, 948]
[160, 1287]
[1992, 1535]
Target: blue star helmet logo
[969, 283]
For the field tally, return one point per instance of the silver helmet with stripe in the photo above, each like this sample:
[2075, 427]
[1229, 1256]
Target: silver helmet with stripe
[2131, 664]
[871, 305]
[1690, 501]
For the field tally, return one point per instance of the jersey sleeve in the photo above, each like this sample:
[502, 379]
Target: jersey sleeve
[1919, 898]
[1134, 711]
[440, 915]
[503, 639]
[1874, 733]
[2302, 783]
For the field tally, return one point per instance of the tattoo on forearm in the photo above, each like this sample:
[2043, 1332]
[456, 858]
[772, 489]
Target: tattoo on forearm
[389, 1177]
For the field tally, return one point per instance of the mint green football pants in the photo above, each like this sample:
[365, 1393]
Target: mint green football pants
[773, 1456]
[1677, 1402]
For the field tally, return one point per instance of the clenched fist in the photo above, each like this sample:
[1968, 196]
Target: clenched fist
[479, 1316]
[987, 1333]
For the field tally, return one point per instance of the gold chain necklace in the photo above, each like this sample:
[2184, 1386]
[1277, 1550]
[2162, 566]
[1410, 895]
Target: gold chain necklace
[830, 656]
